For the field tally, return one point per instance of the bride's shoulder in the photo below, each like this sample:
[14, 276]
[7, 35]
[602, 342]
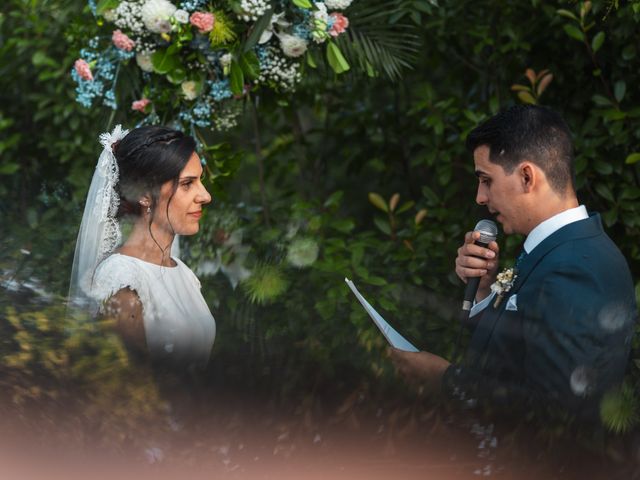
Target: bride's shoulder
[115, 273]
[116, 263]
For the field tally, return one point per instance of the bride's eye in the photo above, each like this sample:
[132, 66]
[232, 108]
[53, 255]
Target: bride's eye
[186, 184]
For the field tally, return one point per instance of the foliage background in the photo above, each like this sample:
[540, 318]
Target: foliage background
[305, 168]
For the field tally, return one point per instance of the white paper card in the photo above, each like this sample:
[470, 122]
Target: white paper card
[393, 337]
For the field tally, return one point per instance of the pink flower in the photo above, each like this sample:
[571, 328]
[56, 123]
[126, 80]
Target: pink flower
[83, 69]
[203, 21]
[340, 24]
[121, 41]
[140, 105]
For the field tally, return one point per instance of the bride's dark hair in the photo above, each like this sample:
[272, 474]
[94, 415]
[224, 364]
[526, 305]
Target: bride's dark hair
[147, 158]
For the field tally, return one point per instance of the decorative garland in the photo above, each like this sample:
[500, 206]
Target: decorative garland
[197, 58]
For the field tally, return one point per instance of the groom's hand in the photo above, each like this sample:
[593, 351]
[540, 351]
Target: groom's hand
[422, 368]
[476, 261]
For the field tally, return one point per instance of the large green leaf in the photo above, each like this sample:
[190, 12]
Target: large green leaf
[336, 59]
[256, 30]
[236, 78]
[376, 44]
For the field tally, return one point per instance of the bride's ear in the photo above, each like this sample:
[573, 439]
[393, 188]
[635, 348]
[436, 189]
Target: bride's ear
[145, 200]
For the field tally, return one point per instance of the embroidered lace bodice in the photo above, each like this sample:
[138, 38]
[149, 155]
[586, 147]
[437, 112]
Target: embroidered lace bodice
[178, 324]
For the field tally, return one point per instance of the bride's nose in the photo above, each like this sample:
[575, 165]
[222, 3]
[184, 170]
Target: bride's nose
[203, 195]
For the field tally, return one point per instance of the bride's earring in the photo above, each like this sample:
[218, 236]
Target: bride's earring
[145, 204]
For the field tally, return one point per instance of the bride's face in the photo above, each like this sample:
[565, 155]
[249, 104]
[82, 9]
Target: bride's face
[185, 206]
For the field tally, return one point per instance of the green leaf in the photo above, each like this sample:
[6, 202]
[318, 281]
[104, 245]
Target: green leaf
[250, 65]
[605, 192]
[603, 168]
[619, 89]
[526, 97]
[337, 61]
[104, 5]
[236, 78]
[9, 168]
[610, 217]
[256, 30]
[310, 60]
[374, 280]
[40, 59]
[334, 199]
[628, 52]
[567, 14]
[632, 158]
[383, 225]
[574, 32]
[406, 206]
[597, 41]
[164, 62]
[377, 201]
[303, 4]
[177, 76]
[601, 101]
[630, 193]
[345, 225]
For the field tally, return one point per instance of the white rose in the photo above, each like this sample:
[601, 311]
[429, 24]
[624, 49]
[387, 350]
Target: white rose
[189, 89]
[225, 60]
[337, 4]
[156, 14]
[181, 16]
[110, 15]
[144, 62]
[291, 45]
[321, 12]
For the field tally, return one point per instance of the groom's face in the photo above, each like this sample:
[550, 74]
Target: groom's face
[185, 206]
[500, 192]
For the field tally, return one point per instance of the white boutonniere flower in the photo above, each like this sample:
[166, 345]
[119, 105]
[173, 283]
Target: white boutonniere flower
[504, 281]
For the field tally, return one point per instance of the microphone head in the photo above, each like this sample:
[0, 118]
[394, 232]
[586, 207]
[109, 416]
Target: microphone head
[488, 231]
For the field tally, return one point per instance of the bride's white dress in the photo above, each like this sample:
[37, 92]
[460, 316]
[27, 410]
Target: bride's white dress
[178, 324]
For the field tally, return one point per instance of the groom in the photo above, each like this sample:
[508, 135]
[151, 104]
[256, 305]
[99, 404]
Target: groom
[561, 335]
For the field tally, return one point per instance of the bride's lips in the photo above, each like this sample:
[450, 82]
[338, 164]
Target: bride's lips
[196, 215]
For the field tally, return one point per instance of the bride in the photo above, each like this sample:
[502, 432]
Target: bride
[152, 176]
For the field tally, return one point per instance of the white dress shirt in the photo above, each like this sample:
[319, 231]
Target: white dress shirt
[536, 236]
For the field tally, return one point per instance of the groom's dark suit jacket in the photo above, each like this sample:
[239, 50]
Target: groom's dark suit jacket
[564, 339]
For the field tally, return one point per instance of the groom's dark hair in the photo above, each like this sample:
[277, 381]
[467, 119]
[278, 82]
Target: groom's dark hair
[528, 132]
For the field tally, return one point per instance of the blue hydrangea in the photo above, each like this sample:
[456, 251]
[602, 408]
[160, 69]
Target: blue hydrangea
[199, 115]
[192, 5]
[302, 30]
[261, 53]
[87, 90]
[110, 99]
[105, 73]
[93, 7]
[220, 90]
[124, 55]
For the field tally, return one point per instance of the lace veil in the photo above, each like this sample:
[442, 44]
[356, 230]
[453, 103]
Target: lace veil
[99, 233]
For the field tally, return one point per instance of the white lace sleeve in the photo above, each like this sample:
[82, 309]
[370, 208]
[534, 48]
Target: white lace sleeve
[114, 274]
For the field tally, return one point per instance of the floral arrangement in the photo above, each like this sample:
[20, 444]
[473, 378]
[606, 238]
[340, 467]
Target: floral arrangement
[196, 58]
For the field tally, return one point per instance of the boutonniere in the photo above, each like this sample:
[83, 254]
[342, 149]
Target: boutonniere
[504, 282]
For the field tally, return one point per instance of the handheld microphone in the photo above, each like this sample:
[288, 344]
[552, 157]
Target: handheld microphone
[488, 233]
